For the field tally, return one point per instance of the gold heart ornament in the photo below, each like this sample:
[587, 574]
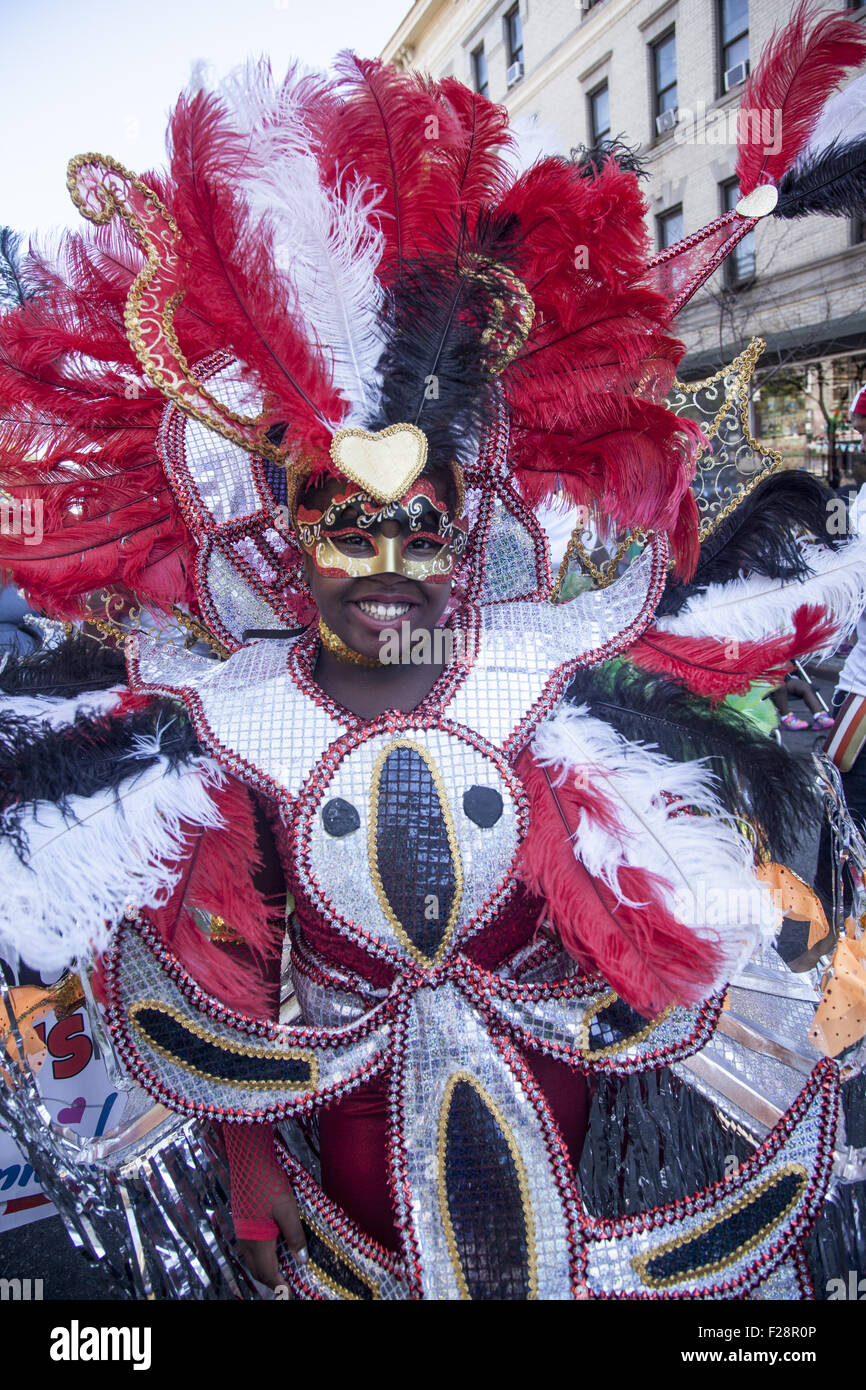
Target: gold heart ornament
[384, 464]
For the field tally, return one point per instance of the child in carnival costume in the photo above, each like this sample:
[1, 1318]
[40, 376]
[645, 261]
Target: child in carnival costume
[493, 852]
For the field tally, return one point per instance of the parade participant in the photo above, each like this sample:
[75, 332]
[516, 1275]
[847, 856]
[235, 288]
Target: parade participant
[497, 887]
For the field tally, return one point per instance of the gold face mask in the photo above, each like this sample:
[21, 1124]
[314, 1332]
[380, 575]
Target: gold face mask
[345, 539]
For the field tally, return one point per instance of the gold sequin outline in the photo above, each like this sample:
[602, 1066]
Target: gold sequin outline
[498, 276]
[328, 1280]
[741, 369]
[132, 314]
[522, 1181]
[372, 856]
[640, 1262]
[265, 1053]
[613, 1049]
[601, 577]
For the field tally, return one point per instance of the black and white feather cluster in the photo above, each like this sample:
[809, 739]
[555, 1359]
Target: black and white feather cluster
[757, 780]
[43, 764]
[762, 537]
[831, 182]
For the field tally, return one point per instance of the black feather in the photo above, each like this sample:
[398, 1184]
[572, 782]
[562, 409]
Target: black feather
[78, 663]
[832, 183]
[590, 158]
[436, 367]
[760, 536]
[757, 779]
[39, 763]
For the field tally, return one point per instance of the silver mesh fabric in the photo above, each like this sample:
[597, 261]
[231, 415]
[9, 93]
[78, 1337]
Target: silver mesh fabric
[221, 471]
[445, 1037]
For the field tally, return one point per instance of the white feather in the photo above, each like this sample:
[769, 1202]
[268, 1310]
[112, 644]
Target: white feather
[672, 824]
[63, 711]
[328, 246]
[843, 118]
[533, 140]
[756, 608]
[85, 873]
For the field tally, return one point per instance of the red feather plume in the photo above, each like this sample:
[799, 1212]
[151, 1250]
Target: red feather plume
[233, 279]
[649, 958]
[407, 136]
[219, 876]
[478, 171]
[77, 434]
[714, 668]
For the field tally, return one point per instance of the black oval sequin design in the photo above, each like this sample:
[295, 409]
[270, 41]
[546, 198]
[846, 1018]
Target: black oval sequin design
[614, 1025]
[194, 1053]
[485, 1207]
[340, 817]
[483, 805]
[413, 853]
[719, 1245]
[335, 1267]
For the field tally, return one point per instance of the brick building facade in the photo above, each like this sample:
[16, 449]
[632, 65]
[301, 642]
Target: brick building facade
[666, 76]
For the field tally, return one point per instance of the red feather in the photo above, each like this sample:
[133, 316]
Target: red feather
[577, 230]
[78, 433]
[648, 957]
[478, 171]
[233, 280]
[218, 876]
[799, 69]
[715, 667]
[632, 457]
[406, 135]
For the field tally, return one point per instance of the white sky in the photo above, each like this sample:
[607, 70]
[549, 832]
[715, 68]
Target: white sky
[101, 75]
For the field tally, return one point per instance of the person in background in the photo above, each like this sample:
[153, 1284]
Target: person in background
[16, 640]
[800, 689]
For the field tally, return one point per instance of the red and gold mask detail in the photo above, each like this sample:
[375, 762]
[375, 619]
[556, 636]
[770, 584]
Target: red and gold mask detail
[345, 539]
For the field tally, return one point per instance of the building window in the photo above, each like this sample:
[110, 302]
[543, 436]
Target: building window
[664, 61]
[479, 72]
[733, 42]
[514, 37]
[858, 230]
[740, 264]
[669, 228]
[599, 115]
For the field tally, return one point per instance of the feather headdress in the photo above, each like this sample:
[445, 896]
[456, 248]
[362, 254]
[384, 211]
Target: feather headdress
[365, 251]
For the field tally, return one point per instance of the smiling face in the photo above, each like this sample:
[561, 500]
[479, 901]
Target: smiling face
[372, 568]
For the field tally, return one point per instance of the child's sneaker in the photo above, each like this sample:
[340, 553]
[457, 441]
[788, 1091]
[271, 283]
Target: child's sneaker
[823, 721]
[790, 721]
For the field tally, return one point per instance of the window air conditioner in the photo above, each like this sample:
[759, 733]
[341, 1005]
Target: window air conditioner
[514, 73]
[666, 121]
[735, 75]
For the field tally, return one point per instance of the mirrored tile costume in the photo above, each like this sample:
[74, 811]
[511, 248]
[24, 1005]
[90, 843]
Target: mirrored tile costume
[537, 867]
